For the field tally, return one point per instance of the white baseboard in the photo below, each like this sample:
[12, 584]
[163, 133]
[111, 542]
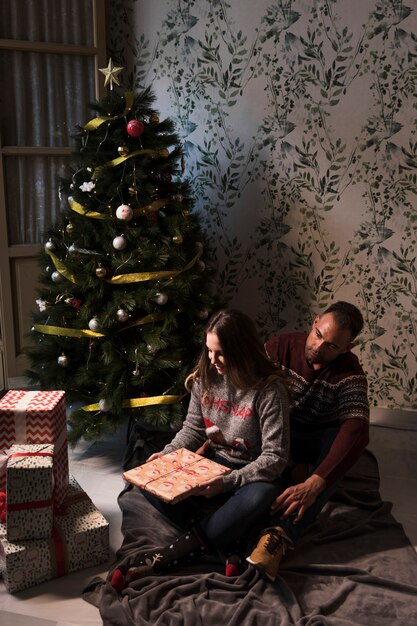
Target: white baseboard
[403, 419]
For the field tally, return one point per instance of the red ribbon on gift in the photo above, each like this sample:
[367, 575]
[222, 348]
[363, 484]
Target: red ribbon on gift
[2, 507]
[184, 468]
[58, 543]
[59, 551]
[12, 456]
[21, 506]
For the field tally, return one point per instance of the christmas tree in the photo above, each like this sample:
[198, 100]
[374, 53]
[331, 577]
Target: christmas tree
[125, 280]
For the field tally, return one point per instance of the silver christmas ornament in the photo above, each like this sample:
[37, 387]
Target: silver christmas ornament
[104, 405]
[119, 243]
[136, 373]
[56, 277]
[94, 324]
[122, 315]
[63, 360]
[50, 245]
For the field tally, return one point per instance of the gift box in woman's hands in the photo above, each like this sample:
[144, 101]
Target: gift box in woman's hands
[176, 475]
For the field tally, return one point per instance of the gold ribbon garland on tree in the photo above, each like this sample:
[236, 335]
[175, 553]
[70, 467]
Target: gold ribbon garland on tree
[128, 278]
[99, 120]
[65, 332]
[154, 154]
[60, 267]
[84, 332]
[149, 208]
[133, 403]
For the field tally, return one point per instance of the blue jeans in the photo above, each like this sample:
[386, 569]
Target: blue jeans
[235, 514]
[307, 446]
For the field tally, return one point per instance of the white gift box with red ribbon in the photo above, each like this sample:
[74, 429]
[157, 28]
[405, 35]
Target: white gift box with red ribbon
[27, 506]
[79, 539]
[35, 417]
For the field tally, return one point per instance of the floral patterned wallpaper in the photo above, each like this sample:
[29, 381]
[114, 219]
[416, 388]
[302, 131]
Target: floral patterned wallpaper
[299, 123]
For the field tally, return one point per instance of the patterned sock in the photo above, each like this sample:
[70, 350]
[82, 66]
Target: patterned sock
[190, 543]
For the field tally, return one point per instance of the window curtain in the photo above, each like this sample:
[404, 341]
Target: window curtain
[43, 97]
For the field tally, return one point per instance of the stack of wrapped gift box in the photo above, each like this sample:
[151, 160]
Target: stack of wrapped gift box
[48, 524]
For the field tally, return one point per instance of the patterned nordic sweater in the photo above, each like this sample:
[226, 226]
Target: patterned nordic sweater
[333, 395]
[248, 428]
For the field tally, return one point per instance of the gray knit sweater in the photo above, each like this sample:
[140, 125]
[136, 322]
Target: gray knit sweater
[249, 428]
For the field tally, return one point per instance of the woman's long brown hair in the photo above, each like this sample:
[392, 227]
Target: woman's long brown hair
[246, 364]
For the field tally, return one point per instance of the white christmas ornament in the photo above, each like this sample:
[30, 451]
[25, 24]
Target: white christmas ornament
[122, 315]
[56, 277]
[124, 212]
[161, 298]
[119, 243]
[94, 324]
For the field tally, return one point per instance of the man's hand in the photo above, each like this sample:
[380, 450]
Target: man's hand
[211, 487]
[299, 498]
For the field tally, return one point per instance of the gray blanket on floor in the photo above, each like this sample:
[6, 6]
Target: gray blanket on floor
[355, 566]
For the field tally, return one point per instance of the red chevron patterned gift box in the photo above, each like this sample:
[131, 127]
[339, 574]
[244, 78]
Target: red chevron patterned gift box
[32, 417]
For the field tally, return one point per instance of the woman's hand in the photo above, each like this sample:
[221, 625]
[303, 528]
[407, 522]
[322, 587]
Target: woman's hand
[211, 487]
[155, 455]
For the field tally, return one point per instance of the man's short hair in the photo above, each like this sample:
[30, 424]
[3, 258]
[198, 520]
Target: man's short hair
[347, 316]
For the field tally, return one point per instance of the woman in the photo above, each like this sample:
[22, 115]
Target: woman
[239, 403]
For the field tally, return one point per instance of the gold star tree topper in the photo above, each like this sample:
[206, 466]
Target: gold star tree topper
[111, 73]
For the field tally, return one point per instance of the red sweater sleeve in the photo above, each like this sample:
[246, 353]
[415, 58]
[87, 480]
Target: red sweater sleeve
[350, 442]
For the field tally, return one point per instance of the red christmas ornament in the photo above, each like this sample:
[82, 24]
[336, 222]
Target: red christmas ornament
[152, 217]
[135, 128]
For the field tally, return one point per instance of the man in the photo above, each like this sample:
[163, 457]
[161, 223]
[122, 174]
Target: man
[329, 419]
